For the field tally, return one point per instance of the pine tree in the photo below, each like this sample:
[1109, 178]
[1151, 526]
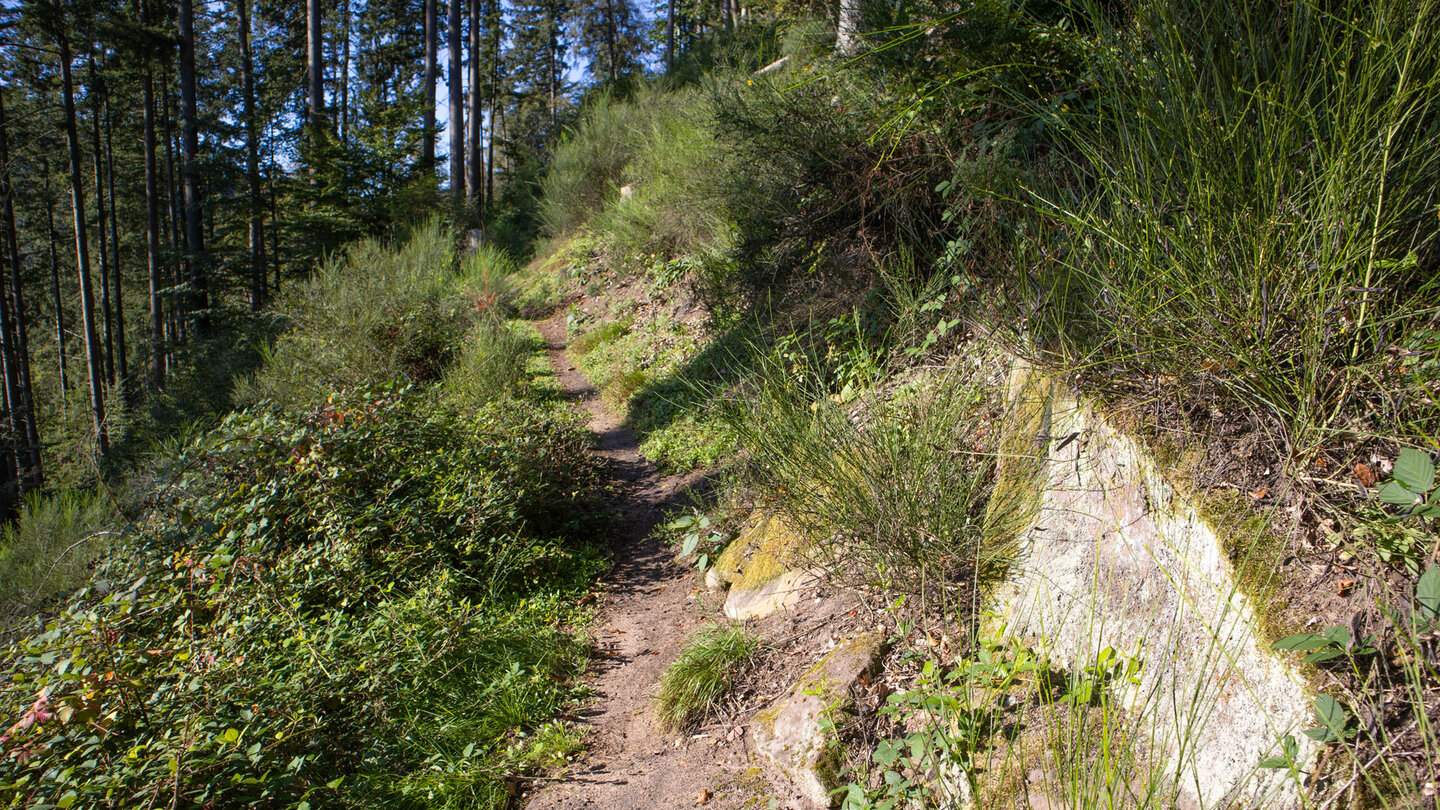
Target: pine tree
[611, 37]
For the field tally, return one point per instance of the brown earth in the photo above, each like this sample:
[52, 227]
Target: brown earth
[649, 606]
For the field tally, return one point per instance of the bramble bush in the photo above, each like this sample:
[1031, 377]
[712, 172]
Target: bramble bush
[354, 604]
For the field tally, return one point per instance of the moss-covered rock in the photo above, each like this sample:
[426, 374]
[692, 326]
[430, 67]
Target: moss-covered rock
[795, 738]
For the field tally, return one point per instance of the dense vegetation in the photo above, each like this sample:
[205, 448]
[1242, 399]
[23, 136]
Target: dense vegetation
[1216, 219]
[356, 594]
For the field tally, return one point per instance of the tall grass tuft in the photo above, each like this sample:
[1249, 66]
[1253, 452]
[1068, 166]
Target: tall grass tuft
[374, 315]
[492, 364]
[898, 487]
[1257, 206]
[699, 678]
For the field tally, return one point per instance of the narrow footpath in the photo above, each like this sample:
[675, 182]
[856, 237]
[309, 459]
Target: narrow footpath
[647, 611]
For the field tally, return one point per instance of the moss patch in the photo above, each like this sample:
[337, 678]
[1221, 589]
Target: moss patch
[1021, 458]
[767, 548]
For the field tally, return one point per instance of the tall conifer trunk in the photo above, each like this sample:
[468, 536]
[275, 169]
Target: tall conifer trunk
[95, 365]
[315, 74]
[176, 214]
[153, 261]
[122, 367]
[477, 165]
[457, 109]
[55, 287]
[22, 402]
[190, 172]
[427, 143]
[344, 79]
[252, 161]
[98, 158]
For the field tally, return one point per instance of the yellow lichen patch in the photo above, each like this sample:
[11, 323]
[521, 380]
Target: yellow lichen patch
[1021, 457]
[767, 548]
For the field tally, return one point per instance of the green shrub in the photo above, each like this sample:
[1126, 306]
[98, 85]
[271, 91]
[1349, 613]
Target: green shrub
[48, 549]
[586, 169]
[702, 675]
[327, 603]
[377, 314]
[664, 147]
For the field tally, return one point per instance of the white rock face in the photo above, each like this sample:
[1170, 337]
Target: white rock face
[780, 593]
[1116, 558]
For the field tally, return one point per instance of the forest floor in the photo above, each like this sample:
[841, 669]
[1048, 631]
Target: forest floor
[648, 608]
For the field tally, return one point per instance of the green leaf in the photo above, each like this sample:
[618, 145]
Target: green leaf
[691, 540]
[1427, 593]
[1302, 641]
[1287, 758]
[1321, 734]
[1331, 715]
[1396, 494]
[1415, 470]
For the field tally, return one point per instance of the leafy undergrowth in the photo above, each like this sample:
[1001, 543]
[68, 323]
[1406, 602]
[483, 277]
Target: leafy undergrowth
[359, 599]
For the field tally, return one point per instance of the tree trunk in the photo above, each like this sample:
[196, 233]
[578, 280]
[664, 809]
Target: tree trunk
[847, 28]
[457, 109]
[98, 158]
[176, 213]
[22, 403]
[316, 77]
[95, 364]
[670, 35]
[55, 287]
[274, 219]
[610, 36]
[252, 161]
[427, 143]
[493, 90]
[190, 170]
[122, 366]
[476, 165]
[345, 72]
[153, 260]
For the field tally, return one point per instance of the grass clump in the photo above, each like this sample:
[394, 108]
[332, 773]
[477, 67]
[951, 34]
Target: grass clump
[493, 363]
[703, 674]
[900, 485]
[1256, 208]
[593, 339]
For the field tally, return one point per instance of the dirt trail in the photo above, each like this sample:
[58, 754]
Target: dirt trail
[647, 612]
